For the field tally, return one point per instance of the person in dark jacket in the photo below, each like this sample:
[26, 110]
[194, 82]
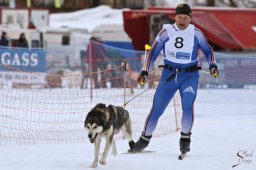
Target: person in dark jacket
[4, 41]
[22, 41]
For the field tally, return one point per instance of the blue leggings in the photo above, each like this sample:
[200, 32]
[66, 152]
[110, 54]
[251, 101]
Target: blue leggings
[187, 84]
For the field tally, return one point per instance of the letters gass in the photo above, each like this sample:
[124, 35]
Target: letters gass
[19, 59]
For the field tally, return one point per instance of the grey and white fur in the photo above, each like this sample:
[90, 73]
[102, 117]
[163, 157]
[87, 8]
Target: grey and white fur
[103, 121]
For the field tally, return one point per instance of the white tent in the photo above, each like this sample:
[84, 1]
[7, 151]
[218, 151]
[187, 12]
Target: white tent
[103, 22]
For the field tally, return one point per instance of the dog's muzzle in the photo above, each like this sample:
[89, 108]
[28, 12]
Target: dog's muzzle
[92, 140]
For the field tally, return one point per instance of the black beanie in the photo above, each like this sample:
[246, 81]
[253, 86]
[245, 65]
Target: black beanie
[184, 9]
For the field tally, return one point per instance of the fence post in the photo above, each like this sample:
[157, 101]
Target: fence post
[125, 69]
[90, 64]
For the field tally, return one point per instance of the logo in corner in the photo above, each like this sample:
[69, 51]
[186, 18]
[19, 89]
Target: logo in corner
[244, 157]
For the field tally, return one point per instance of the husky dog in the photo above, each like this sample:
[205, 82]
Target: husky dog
[103, 121]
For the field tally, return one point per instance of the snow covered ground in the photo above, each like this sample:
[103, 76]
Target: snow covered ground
[223, 136]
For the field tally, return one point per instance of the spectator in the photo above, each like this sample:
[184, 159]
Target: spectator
[22, 41]
[4, 41]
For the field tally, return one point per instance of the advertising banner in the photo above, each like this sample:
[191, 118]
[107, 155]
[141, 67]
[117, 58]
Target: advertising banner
[24, 60]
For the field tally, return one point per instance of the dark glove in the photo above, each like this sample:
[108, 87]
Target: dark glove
[142, 79]
[214, 70]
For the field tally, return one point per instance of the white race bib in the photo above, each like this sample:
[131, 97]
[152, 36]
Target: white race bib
[179, 48]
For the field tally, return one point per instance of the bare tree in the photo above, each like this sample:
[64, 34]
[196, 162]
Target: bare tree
[232, 3]
[94, 3]
[249, 3]
[210, 3]
[150, 2]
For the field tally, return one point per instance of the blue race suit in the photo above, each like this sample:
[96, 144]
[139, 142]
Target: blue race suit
[180, 49]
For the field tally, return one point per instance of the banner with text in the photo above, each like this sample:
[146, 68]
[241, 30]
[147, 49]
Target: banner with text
[24, 60]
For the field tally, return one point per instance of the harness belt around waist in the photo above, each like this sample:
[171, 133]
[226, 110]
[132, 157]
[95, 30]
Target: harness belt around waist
[186, 70]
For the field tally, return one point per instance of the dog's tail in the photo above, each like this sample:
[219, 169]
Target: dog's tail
[126, 115]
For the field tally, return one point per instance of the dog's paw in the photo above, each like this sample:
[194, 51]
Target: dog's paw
[102, 162]
[93, 165]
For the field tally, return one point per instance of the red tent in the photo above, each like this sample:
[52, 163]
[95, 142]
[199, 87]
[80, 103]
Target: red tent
[230, 28]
